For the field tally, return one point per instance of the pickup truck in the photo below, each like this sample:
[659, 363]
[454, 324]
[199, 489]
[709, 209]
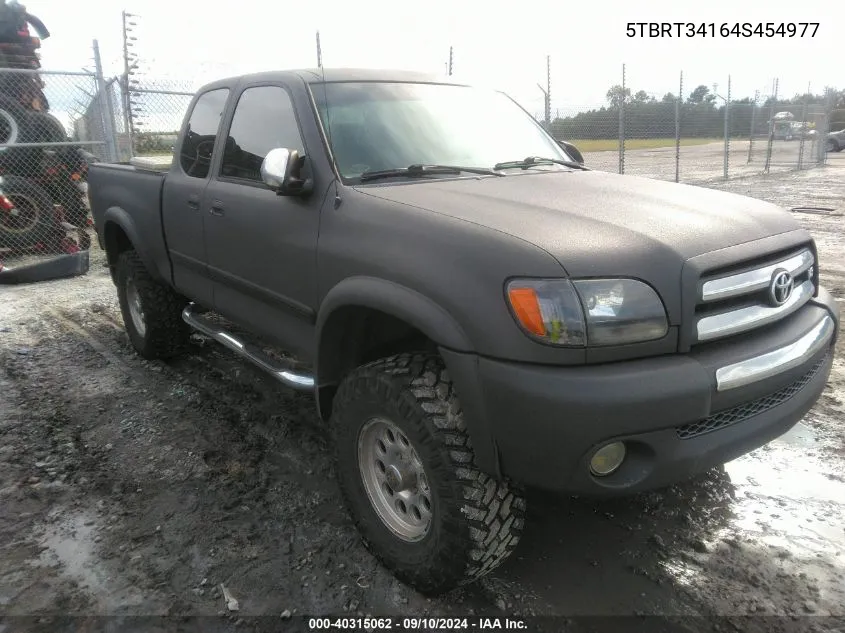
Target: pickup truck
[475, 311]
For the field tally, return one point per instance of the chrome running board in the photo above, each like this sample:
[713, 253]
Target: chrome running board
[289, 378]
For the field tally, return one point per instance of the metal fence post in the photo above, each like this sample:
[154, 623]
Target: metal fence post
[803, 124]
[753, 117]
[125, 97]
[727, 129]
[622, 125]
[771, 127]
[822, 136]
[112, 117]
[106, 112]
[678, 129]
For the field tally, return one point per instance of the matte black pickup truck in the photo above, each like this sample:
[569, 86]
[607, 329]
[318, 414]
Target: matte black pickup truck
[474, 310]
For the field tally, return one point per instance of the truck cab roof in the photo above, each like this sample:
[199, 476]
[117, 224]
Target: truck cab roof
[319, 75]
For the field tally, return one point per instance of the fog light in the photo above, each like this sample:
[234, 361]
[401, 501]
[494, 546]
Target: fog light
[607, 459]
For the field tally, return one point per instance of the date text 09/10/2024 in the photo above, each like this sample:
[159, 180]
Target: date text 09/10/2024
[725, 29]
[371, 625]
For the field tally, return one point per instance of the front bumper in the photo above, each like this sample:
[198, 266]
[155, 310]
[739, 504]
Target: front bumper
[679, 415]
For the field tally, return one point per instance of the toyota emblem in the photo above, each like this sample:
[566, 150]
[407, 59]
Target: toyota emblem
[780, 288]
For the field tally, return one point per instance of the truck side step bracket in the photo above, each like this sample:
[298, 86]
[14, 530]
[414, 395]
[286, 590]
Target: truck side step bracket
[289, 378]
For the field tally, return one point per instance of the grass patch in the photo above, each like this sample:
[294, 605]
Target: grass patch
[606, 145]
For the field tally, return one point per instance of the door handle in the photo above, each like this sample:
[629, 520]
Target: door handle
[216, 208]
[194, 202]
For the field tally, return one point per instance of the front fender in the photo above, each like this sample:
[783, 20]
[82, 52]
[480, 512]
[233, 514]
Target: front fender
[399, 301]
[428, 317]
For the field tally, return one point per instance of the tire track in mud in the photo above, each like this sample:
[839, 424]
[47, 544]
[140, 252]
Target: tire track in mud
[251, 499]
[211, 371]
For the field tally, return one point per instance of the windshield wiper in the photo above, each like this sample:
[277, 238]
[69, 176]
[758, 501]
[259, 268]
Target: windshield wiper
[419, 170]
[530, 161]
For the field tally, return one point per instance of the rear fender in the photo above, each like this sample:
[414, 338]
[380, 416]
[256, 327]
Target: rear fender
[116, 219]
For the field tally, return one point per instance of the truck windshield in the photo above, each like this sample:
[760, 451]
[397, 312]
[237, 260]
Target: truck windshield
[375, 126]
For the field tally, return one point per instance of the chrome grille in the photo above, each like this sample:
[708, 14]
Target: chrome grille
[743, 300]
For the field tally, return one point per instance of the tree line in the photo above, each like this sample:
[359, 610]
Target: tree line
[702, 115]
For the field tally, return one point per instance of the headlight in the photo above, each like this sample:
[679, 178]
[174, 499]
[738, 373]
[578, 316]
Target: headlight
[588, 311]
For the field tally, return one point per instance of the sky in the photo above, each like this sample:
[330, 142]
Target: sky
[494, 43]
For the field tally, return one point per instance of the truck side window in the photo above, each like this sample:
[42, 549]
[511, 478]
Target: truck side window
[198, 143]
[264, 120]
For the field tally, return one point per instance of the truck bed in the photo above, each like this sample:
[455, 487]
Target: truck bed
[152, 163]
[134, 193]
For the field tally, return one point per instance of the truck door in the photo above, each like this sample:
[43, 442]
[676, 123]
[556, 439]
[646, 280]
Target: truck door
[262, 246]
[184, 187]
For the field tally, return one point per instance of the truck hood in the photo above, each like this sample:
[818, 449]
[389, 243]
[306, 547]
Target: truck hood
[599, 223]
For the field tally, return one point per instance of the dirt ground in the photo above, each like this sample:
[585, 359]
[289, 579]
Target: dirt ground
[130, 488]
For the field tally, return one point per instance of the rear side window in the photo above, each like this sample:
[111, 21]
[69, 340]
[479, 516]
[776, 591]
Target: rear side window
[264, 120]
[198, 144]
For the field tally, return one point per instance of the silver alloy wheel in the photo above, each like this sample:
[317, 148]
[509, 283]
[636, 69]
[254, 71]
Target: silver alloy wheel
[394, 479]
[136, 310]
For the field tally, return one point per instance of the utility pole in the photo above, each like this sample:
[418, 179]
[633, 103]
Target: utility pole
[549, 93]
[127, 69]
[319, 52]
[753, 125]
[450, 61]
[547, 109]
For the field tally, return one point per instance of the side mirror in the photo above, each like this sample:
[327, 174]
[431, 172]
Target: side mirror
[281, 171]
[573, 151]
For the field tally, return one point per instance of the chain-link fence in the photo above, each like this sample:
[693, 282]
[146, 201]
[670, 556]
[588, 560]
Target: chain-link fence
[54, 124]
[155, 117]
[48, 138]
[697, 137]
[670, 139]
[694, 136]
[45, 149]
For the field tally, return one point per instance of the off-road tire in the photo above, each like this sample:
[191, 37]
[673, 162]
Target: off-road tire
[476, 520]
[166, 334]
[19, 125]
[41, 228]
[83, 239]
[11, 121]
[44, 128]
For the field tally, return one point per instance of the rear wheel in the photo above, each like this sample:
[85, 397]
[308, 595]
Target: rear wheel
[152, 311]
[406, 469]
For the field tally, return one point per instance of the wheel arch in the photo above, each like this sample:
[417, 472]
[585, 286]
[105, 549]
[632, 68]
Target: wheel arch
[364, 318]
[120, 235]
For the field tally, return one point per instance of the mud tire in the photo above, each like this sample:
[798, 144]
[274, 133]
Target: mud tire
[476, 521]
[165, 334]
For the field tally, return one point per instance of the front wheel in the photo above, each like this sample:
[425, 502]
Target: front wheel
[831, 146]
[406, 469]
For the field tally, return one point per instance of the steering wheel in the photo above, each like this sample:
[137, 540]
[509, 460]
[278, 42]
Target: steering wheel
[202, 155]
